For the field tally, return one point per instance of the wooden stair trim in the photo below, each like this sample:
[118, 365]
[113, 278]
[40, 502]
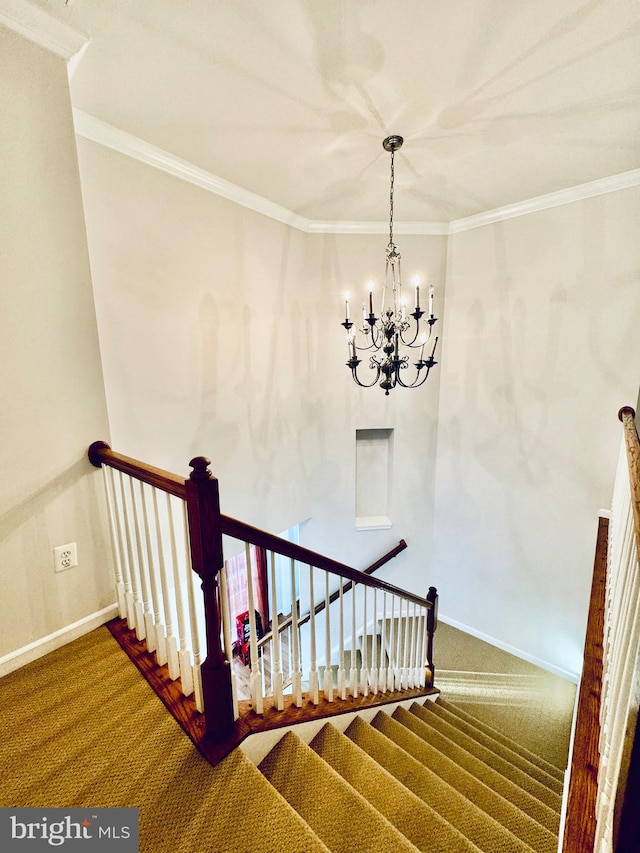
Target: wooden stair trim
[580, 823]
[184, 711]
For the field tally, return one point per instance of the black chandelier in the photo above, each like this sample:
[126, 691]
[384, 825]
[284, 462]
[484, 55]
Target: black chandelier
[389, 332]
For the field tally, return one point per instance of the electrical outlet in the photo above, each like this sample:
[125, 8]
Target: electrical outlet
[65, 557]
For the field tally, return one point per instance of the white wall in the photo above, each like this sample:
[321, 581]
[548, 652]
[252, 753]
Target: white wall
[541, 348]
[53, 402]
[220, 333]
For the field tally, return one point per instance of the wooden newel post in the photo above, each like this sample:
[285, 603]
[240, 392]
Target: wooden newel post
[432, 624]
[203, 508]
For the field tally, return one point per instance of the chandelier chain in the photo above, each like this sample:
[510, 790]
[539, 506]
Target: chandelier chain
[391, 200]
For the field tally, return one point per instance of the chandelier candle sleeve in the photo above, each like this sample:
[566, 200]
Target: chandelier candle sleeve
[390, 337]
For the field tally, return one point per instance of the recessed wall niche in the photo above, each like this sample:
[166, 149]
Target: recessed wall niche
[374, 465]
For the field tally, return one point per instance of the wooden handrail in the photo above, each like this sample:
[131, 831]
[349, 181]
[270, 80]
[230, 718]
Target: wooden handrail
[335, 595]
[580, 819]
[632, 443]
[262, 539]
[100, 452]
[627, 831]
[386, 558]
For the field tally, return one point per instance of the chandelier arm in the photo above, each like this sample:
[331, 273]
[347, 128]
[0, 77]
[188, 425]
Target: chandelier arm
[353, 364]
[371, 346]
[415, 383]
[412, 342]
[376, 341]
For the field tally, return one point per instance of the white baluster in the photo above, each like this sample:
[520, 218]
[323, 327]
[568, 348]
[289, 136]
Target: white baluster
[115, 540]
[276, 658]
[328, 675]
[255, 678]
[342, 688]
[226, 634]
[397, 669]
[296, 674]
[364, 661]
[314, 686]
[420, 653]
[129, 562]
[375, 679]
[411, 616]
[353, 674]
[406, 648]
[383, 679]
[262, 652]
[392, 675]
[148, 575]
[196, 606]
[184, 655]
[402, 644]
[136, 565]
[415, 626]
[156, 560]
[171, 643]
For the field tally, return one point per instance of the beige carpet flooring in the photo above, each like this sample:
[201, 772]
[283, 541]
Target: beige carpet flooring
[531, 705]
[81, 727]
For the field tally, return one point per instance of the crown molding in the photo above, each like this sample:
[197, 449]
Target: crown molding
[105, 134]
[623, 181]
[89, 127]
[319, 226]
[43, 29]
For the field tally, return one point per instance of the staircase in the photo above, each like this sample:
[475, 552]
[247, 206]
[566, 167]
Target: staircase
[430, 778]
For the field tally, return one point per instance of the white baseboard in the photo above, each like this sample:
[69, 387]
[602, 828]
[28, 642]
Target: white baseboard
[47, 644]
[505, 647]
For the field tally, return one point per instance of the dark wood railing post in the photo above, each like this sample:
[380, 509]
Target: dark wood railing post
[203, 508]
[432, 624]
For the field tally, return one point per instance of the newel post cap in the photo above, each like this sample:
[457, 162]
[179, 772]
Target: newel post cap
[200, 465]
[94, 452]
[626, 410]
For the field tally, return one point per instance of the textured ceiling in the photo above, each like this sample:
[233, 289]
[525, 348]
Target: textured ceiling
[499, 101]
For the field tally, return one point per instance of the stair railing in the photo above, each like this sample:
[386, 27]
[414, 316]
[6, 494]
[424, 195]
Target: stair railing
[617, 802]
[337, 646]
[166, 531]
[604, 787]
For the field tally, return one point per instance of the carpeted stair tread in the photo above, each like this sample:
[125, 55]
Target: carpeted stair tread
[115, 745]
[415, 819]
[337, 813]
[495, 736]
[508, 815]
[466, 816]
[242, 803]
[529, 795]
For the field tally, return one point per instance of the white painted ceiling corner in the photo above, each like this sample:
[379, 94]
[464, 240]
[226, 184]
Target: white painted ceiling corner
[95, 130]
[35, 24]
[327, 186]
